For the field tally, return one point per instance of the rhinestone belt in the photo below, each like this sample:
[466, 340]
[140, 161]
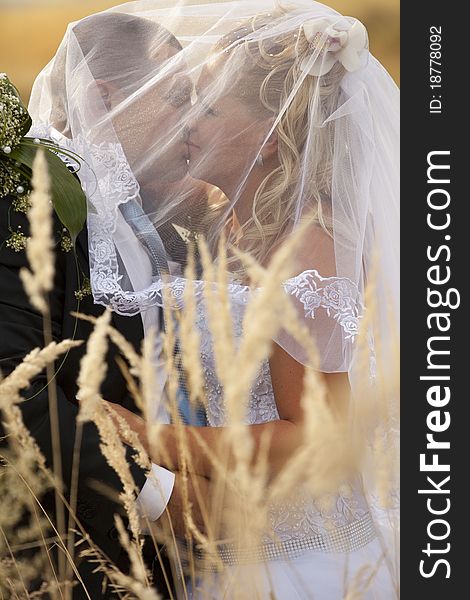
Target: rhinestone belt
[344, 539]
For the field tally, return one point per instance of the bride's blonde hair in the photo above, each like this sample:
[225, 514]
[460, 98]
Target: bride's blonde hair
[268, 70]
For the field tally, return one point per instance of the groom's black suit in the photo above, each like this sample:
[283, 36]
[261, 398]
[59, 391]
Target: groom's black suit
[21, 330]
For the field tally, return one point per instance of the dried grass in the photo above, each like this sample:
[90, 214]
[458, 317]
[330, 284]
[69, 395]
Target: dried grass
[39, 279]
[242, 486]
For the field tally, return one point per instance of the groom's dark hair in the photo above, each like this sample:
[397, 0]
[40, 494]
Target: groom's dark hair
[115, 43]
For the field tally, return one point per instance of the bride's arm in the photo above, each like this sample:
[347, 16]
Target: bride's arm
[286, 434]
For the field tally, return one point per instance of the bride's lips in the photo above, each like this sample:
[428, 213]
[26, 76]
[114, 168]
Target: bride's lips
[192, 149]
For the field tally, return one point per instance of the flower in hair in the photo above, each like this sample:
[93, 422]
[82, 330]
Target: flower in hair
[330, 44]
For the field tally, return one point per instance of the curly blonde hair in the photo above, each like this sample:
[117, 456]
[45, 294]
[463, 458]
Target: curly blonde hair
[269, 69]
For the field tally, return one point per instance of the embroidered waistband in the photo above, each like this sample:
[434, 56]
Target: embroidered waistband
[344, 539]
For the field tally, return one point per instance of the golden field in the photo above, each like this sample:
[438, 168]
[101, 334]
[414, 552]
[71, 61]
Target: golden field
[31, 30]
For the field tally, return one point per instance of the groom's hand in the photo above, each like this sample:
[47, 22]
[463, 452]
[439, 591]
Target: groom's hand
[187, 510]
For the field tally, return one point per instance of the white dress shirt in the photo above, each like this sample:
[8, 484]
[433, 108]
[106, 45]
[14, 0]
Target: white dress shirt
[156, 491]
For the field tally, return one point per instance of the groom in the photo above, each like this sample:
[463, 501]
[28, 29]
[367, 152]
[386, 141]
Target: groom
[21, 330]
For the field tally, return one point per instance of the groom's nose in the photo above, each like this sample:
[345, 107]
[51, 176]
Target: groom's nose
[193, 117]
[186, 132]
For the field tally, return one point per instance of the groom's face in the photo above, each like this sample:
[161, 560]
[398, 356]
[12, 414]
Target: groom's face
[149, 122]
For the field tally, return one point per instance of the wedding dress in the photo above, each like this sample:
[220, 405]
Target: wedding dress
[319, 549]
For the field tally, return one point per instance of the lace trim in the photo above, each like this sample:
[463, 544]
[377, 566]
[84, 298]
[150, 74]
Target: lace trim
[339, 296]
[104, 175]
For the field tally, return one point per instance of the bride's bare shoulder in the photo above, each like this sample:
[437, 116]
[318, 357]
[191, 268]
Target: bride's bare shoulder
[315, 251]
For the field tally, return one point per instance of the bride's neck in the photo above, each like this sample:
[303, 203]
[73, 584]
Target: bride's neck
[242, 201]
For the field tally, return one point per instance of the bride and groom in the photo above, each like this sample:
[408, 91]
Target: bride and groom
[277, 128]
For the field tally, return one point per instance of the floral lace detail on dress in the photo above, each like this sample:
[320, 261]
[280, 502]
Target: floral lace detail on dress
[303, 517]
[339, 296]
[261, 406]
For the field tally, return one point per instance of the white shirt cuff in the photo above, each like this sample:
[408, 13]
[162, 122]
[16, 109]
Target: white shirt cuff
[155, 493]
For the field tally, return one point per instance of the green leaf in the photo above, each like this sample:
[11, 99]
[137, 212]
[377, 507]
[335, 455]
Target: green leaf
[26, 125]
[67, 195]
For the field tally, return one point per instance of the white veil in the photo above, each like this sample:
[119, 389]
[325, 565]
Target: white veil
[344, 170]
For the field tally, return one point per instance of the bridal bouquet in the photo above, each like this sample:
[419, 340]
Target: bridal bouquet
[17, 152]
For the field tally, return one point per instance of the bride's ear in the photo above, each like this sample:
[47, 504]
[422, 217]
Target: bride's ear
[107, 92]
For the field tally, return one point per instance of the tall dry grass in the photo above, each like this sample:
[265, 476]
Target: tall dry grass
[205, 512]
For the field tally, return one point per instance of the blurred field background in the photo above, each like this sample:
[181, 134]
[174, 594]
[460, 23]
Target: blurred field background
[31, 30]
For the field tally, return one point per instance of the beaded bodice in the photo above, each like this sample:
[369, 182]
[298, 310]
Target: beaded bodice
[302, 517]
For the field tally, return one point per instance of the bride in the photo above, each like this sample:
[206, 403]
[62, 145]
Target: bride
[296, 123]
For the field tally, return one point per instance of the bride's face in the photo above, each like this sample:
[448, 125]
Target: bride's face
[224, 138]
[150, 127]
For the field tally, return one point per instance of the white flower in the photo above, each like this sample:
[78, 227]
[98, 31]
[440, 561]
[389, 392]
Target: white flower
[331, 45]
[105, 153]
